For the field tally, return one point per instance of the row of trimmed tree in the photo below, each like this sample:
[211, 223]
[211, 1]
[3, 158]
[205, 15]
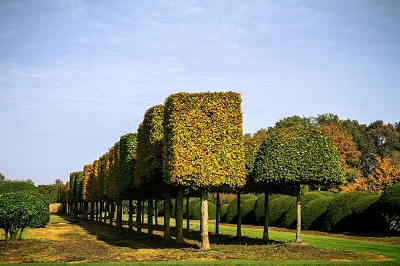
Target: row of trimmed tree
[194, 142]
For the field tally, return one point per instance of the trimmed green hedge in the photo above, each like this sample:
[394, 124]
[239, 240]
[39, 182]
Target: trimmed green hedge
[211, 211]
[290, 217]
[340, 209]
[49, 192]
[259, 207]
[313, 213]
[389, 207]
[223, 212]
[365, 218]
[278, 208]
[245, 208]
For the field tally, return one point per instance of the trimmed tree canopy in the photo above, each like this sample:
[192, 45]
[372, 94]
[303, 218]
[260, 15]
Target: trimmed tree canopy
[298, 155]
[204, 140]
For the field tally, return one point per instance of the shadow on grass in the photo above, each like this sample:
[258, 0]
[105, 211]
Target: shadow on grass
[124, 237]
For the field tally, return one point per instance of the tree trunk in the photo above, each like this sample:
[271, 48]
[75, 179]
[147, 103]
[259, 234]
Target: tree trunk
[187, 214]
[179, 216]
[266, 214]
[167, 215]
[155, 212]
[101, 211]
[298, 226]
[130, 219]
[119, 214]
[205, 242]
[139, 215]
[217, 215]
[150, 216]
[239, 218]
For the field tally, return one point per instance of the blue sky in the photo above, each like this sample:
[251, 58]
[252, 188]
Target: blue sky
[76, 75]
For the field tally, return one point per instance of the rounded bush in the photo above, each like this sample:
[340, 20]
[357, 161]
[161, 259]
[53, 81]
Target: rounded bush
[231, 216]
[389, 207]
[365, 218]
[223, 212]
[313, 213]
[19, 210]
[278, 207]
[212, 209]
[192, 203]
[259, 207]
[340, 209]
[290, 217]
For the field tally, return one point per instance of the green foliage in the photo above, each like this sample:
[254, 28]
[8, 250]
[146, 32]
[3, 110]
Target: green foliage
[290, 217]
[19, 210]
[259, 207]
[128, 144]
[278, 208]
[389, 206]
[211, 211]
[365, 217]
[247, 202]
[86, 182]
[298, 155]
[113, 173]
[17, 186]
[223, 212]
[313, 213]
[339, 210]
[149, 172]
[76, 186]
[192, 203]
[49, 192]
[204, 140]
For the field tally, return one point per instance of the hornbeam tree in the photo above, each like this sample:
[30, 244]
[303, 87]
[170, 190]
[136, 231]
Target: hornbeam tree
[298, 155]
[203, 145]
[148, 175]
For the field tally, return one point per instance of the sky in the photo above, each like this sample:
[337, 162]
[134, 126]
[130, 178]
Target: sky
[77, 75]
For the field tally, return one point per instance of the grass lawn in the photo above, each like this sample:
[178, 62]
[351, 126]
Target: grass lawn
[67, 240]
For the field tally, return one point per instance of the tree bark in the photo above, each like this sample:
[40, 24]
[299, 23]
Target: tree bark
[298, 226]
[167, 215]
[150, 209]
[239, 218]
[217, 215]
[205, 242]
[266, 214]
[156, 212]
[139, 215]
[179, 216]
[130, 219]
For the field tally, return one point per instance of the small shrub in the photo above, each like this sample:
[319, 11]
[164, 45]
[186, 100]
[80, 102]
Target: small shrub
[19, 210]
[313, 213]
[212, 209]
[340, 208]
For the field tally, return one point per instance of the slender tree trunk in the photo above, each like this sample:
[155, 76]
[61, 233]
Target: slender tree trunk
[112, 212]
[139, 215]
[119, 214]
[101, 211]
[205, 242]
[179, 216]
[143, 210]
[155, 212]
[92, 210]
[239, 218]
[187, 214]
[130, 219]
[298, 226]
[167, 215]
[266, 214]
[217, 215]
[150, 216]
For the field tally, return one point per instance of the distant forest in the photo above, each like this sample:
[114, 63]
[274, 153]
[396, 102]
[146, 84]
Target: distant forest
[371, 153]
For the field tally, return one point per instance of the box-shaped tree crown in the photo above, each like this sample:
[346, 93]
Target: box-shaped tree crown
[203, 140]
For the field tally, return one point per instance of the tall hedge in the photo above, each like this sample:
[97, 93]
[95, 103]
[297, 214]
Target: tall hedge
[49, 192]
[149, 172]
[127, 146]
[204, 140]
[86, 175]
[76, 186]
[114, 173]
